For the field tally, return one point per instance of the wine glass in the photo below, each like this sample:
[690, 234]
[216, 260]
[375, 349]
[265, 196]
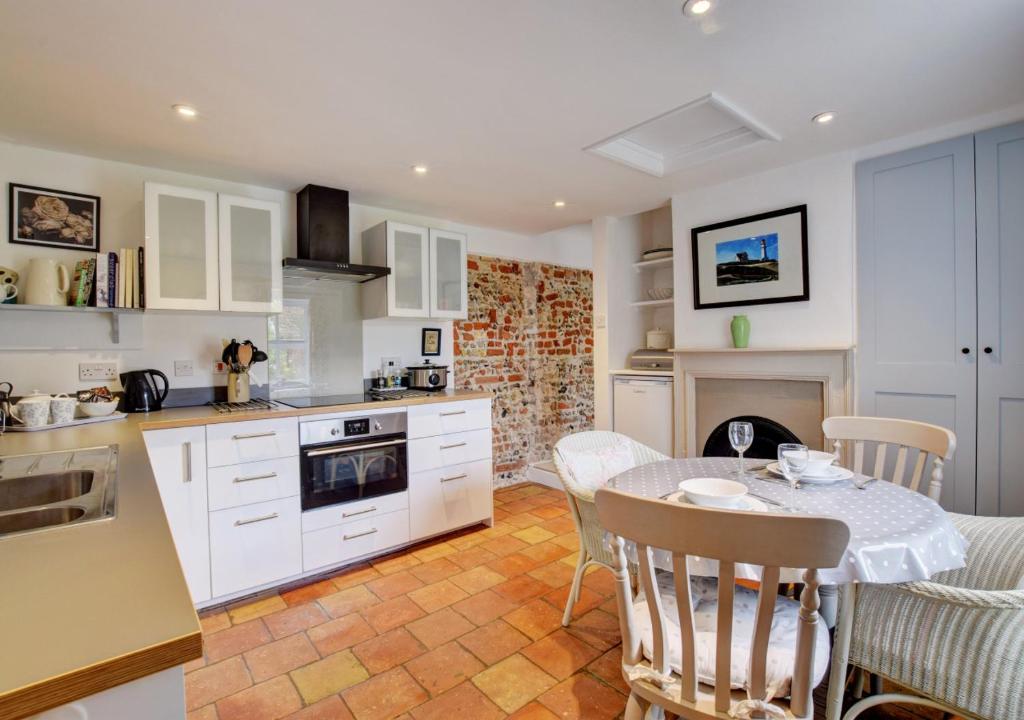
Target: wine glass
[793, 459]
[741, 435]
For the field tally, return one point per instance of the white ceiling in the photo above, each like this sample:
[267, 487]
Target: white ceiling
[498, 97]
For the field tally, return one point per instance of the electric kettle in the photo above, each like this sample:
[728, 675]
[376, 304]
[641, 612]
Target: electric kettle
[140, 391]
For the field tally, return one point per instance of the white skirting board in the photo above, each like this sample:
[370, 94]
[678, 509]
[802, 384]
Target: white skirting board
[544, 473]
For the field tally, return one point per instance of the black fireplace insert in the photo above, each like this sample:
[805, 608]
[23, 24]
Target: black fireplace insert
[768, 435]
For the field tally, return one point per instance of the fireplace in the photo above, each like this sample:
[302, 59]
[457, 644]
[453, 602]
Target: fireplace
[768, 435]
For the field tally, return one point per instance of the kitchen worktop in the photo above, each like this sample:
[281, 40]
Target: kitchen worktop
[642, 373]
[83, 609]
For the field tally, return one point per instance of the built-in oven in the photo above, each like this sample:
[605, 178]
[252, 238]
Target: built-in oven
[352, 457]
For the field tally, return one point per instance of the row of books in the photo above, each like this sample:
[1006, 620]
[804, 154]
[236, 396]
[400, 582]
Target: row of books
[111, 280]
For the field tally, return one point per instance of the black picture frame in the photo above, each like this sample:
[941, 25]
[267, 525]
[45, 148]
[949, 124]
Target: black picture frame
[430, 342]
[703, 303]
[26, 227]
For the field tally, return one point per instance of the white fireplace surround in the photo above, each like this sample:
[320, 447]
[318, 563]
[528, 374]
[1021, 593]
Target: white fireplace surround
[829, 367]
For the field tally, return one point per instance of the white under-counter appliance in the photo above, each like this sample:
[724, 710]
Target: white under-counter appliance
[642, 410]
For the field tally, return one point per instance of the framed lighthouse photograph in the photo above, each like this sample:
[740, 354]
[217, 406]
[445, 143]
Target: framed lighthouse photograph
[751, 260]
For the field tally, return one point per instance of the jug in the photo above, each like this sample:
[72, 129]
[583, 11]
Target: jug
[140, 391]
[48, 282]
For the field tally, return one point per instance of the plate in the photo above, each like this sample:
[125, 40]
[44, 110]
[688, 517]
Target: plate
[836, 475]
[745, 503]
[657, 254]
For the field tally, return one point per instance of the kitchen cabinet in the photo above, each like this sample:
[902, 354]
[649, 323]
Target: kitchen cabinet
[254, 545]
[206, 251]
[428, 272]
[178, 459]
[251, 440]
[250, 254]
[181, 248]
[450, 497]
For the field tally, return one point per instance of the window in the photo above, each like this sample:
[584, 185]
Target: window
[288, 334]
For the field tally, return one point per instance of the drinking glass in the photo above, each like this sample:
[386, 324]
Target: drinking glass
[741, 435]
[793, 460]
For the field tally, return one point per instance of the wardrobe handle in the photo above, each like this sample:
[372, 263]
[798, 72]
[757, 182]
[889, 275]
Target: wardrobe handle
[988, 351]
[965, 351]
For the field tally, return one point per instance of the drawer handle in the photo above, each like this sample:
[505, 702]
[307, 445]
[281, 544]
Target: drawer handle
[267, 476]
[453, 412]
[453, 445]
[359, 535]
[271, 516]
[250, 436]
[188, 461]
[454, 477]
[359, 512]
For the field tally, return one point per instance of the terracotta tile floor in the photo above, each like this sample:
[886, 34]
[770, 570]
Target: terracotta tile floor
[467, 626]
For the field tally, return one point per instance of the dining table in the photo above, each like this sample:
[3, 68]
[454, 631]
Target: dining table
[896, 535]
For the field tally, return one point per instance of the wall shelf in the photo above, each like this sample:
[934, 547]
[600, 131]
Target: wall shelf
[115, 314]
[653, 303]
[652, 264]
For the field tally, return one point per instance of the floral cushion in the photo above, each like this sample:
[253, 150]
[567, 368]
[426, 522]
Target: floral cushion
[781, 643]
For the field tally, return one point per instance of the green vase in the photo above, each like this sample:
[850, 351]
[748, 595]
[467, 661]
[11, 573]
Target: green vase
[740, 327]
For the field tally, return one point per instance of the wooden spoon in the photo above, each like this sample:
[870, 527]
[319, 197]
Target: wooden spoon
[245, 356]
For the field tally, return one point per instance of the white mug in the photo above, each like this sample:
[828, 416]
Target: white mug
[32, 412]
[8, 292]
[62, 408]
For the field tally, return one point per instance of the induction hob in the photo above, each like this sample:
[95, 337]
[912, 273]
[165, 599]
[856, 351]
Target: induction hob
[310, 401]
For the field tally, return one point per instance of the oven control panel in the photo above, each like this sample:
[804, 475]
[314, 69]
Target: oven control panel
[357, 427]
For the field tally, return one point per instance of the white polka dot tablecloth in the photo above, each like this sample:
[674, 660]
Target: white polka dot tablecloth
[896, 535]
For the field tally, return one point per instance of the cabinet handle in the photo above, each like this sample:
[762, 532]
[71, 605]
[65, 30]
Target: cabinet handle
[271, 516]
[188, 461]
[359, 535]
[454, 477]
[965, 351]
[250, 478]
[453, 412]
[250, 436]
[988, 351]
[453, 445]
[359, 512]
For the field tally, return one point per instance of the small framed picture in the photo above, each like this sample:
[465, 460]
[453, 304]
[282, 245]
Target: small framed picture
[54, 218]
[751, 260]
[431, 342]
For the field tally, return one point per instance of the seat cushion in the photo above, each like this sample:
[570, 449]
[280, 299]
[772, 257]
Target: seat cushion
[592, 469]
[704, 595]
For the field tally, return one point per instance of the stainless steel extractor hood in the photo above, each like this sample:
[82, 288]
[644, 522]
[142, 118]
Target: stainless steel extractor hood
[323, 239]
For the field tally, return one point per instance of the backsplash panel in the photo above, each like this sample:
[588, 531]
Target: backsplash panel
[529, 340]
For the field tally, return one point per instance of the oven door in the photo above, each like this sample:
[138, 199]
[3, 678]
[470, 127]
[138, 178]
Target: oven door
[342, 472]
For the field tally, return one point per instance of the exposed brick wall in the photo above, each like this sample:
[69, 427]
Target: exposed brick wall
[528, 339]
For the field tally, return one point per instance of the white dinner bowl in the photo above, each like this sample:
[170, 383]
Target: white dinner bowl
[713, 492]
[818, 462]
[97, 409]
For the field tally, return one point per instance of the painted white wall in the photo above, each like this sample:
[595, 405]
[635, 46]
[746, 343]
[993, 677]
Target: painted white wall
[826, 186]
[43, 349]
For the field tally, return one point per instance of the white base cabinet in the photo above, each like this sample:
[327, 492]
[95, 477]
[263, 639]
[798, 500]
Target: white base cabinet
[253, 545]
[450, 497]
[178, 458]
[160, 696]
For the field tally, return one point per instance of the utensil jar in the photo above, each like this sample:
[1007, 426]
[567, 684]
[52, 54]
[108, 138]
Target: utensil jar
[238, 387]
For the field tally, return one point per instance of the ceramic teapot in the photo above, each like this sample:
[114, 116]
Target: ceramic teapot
[32, 410]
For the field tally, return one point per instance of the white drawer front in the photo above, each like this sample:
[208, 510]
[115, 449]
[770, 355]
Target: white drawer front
[446, 498]
[235, 485]
[333, 545]
[443, 418]
[254, 545]
[452, 449]
[358, 510]
[242, 442]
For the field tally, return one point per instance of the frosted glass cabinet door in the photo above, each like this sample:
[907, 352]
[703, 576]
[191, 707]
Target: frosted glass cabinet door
[447, 274]
[181, 248]
[409, 281]
[250, 255]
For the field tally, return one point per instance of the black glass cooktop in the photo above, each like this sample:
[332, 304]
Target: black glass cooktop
[309, 401]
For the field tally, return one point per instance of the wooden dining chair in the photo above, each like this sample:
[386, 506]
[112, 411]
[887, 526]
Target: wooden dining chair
[663, 665]
[906, 435]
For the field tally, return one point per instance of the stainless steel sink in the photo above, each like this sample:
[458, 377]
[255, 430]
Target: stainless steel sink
[46, 491]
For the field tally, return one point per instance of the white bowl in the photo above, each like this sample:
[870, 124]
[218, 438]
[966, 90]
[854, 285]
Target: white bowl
[97, 409]
[713, 492]
[818, 462]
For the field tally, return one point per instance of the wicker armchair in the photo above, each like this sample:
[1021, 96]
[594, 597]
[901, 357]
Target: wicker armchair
[581, 498]
[958, 639]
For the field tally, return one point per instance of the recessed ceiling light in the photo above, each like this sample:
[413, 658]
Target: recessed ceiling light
[824, 118]
[696, 7]
[420, 169]
[185, 110]
[559, 203]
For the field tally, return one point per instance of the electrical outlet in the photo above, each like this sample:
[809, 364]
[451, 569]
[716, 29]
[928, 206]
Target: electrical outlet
[387, 359]
[89, 372]
[183, 368]
[220, 367]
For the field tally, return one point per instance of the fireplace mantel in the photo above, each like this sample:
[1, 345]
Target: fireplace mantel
[830, 367]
